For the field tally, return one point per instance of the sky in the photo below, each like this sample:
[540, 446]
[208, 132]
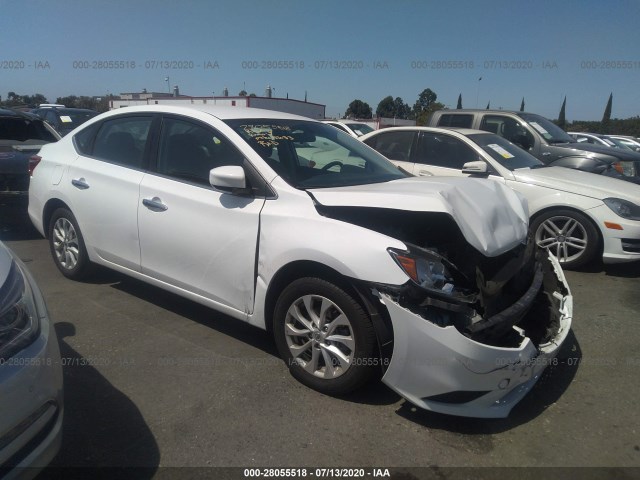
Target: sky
[334, 51]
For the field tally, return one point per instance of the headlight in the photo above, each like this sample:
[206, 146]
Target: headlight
[429, 271]
[19, 323]
[628, 169]
[623, 208]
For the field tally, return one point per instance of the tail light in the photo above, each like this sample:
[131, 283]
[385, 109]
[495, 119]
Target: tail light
[34, 160]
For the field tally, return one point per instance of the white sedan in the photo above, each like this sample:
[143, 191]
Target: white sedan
[576, 215]
[298, 228]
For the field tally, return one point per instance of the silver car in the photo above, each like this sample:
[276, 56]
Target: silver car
[31, 407]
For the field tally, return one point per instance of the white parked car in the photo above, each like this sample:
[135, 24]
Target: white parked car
[352, 127]
[599, 139]
[31, 404]
[631, 142]
[354, 268]
[576, 215]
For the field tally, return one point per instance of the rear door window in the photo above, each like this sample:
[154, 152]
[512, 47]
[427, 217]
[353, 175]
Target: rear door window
[456, 120]
[123, 141]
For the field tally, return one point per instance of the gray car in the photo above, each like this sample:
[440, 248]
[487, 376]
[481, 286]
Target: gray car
[544, 140]
[31, 404]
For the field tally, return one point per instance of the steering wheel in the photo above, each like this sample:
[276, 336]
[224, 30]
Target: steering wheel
[332, 164]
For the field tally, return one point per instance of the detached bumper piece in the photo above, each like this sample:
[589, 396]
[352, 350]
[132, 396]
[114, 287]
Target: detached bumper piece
[473, 360]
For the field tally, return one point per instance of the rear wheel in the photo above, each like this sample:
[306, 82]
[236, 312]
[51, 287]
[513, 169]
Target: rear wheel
[325, 336]
[67, 245]
[568, 235]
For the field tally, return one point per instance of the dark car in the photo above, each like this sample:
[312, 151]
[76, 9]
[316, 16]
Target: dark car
[21, 137]
[63, 119]
[544, 140]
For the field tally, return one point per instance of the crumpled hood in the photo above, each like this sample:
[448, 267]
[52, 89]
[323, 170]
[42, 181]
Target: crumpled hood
[493, 218]
[591, 185]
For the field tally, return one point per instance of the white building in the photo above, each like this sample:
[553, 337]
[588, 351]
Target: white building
[287, 105]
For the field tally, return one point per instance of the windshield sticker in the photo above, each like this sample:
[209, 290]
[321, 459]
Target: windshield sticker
[499, 150]
[264, 134]
[65, 119]
[539, 128]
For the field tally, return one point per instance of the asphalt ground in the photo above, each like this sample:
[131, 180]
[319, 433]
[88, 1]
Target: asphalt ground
[156, 381]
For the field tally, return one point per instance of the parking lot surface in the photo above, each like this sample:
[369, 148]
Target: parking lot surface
[154, 380]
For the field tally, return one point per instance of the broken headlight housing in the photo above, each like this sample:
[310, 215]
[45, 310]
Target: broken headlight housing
[430, 271]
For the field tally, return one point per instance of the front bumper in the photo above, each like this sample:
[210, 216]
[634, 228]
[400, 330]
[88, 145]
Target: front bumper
[440, 369]
[31, 401]
[618, 245]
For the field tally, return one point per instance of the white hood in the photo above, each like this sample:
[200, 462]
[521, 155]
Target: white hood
[493, 218]
[582, 183]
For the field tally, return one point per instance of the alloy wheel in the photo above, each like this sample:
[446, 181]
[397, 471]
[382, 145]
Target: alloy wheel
[319, 336]
[564, 236]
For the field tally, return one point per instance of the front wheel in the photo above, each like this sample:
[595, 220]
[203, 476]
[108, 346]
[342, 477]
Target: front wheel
[67, 245]
[325, 336]
[568, 235]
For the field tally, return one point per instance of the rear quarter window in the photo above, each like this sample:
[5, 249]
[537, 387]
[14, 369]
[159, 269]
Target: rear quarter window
[456, 120]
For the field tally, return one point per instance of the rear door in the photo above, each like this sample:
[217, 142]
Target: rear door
[103, 186]
[193, 236]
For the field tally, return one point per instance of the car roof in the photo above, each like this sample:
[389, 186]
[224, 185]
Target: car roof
[70, 109]
[461, 131]
[6, 112]
[481, 110]
[221, 112]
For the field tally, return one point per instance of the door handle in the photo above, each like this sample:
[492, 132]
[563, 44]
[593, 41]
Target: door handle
[154, 204]
[425, 173]
[80, 183]
[546, 154]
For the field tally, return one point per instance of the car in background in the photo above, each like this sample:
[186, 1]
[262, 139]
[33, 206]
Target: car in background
[63, 119]
[544, 140]
[21, 137]
[352, 127]
[599, 139]
[31, 389]
[574, 214]
[631, 142]
[355, 269]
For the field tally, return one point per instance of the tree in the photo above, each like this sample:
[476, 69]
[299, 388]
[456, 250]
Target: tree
[425, 105]
[562, 121]
[358, 109]
[243, 93]
[522, 105]
[459, 106]
[386, 107]
[489, 105]
[606, 117]
[402, 109]
[390, 108]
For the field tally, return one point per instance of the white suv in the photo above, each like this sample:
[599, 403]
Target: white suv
[300, 229]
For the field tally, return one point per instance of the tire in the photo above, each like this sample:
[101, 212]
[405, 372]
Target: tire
[67, 245]
[569, 235]
[333, 358]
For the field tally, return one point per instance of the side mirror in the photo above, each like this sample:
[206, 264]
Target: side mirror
[476, 168]
[230, 178]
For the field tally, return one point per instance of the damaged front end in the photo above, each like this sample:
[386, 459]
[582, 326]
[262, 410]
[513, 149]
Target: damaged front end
[471, 333]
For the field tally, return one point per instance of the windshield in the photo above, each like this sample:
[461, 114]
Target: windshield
[360, 128]
[547, 129]
[314, 155]
[24, 130]
[619, 144]
[505, 152]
